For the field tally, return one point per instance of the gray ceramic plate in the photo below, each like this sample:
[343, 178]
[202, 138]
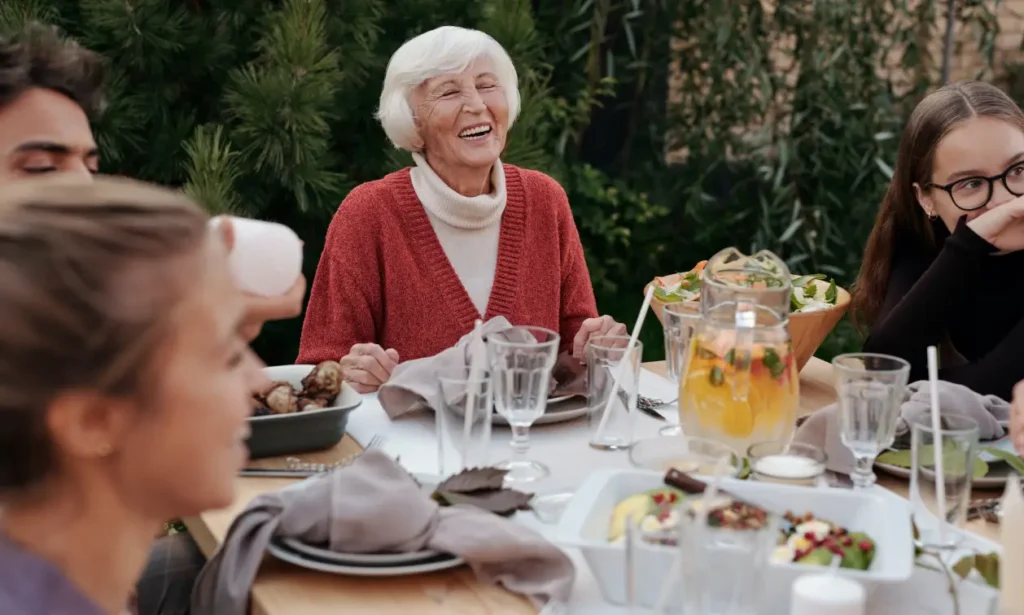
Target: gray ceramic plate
[998, 471]
[559, 410]
[301, 432]
[440, 562]
[321, 552]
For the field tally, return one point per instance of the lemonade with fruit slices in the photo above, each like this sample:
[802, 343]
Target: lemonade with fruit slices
[738, 397]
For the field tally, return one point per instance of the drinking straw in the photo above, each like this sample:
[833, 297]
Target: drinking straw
[624, 362]
[477, 365]
[940, 476]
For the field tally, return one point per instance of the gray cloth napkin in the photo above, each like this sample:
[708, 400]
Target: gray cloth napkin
[374, 506]
[413, 384]
[822, 427]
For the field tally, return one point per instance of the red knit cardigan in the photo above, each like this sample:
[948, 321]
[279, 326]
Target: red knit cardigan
[383, 276]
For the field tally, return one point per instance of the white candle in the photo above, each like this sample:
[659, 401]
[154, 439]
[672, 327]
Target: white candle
[1011, 559]
[787, 466]
[827, 594]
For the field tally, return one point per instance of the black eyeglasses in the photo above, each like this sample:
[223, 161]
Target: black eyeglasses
[973, 193]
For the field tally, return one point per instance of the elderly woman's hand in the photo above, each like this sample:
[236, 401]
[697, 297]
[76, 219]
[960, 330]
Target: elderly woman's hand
[367, 366]
[1017, 417]
[594, 327]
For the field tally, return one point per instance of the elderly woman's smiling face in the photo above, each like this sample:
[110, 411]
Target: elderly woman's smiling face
[462, 118]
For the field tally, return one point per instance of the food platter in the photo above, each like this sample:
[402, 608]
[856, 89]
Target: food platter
[295, 426]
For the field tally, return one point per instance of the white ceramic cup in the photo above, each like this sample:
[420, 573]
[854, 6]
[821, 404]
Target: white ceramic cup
[266, 258]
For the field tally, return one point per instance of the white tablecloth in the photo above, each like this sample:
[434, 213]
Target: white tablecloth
[563, 447]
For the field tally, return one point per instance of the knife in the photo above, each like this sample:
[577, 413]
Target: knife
[274, 473]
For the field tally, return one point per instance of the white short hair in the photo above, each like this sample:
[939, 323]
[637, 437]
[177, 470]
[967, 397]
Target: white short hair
[448, 49]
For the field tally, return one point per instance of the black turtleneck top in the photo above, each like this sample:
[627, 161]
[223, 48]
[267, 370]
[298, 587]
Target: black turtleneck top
[966, 295]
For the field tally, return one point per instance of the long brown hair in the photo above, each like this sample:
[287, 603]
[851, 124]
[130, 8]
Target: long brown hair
[901, 219]
[89, 277]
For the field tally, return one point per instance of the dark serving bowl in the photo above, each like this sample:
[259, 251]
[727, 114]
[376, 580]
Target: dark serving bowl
[300, 432]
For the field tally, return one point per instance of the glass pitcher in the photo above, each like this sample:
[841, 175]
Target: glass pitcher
[741, 383]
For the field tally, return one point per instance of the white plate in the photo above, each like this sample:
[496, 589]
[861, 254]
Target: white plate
[569, 409]
[359, 559]
[284, 554]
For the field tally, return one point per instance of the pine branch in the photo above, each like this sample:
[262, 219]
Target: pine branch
[212, 171]
[282, 102]
[15, 14]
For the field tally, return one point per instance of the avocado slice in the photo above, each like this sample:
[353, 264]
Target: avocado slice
[818, 557]
[638, 506]
[635, 506]
[856, 558]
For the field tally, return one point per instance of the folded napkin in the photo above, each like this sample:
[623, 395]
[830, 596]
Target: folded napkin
[374, 506]
[822, 427]
[413, 384]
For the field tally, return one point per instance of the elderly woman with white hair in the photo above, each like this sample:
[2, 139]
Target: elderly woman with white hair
[412, 260]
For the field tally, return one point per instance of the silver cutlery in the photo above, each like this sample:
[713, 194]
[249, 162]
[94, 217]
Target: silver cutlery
[302, 469]
[649, 406]
[989, 509]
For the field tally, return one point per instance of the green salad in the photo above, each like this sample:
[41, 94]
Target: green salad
[810, 292]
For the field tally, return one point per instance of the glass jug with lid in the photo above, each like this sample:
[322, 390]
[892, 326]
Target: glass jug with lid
[733, 277]
[741, 382]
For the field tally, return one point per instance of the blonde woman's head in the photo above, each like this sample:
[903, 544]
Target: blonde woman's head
[121, 367]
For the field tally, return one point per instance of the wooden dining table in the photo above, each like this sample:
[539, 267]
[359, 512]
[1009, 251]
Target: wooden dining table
[283, 589]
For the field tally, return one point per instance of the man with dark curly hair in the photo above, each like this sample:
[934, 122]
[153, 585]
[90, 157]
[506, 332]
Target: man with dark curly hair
[50, 89]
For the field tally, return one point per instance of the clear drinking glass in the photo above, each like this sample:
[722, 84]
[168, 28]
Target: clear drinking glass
[709, 551]
[521, 362]
[611, 426]
[463, 421]
[870, 389]
[958, 440]
[648, 564]
[680, 321]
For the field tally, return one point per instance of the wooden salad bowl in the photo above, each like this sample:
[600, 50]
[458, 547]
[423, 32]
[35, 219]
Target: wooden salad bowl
[808, 329]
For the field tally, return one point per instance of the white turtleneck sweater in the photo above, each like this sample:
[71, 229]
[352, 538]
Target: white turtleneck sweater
[467, 226]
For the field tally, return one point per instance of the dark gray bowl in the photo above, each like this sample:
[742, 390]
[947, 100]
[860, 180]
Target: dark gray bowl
[301, 432]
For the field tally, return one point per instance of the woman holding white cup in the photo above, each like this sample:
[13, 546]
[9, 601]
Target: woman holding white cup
[266, 260]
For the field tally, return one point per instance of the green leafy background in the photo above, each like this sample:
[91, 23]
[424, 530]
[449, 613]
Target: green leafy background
[778, 130]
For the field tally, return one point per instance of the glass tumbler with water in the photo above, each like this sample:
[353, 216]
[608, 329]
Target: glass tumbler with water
[680, 322]
[870, 388]
[463, 420]
[521, 361]
[723, 568]
[958, 441]
[611, 424]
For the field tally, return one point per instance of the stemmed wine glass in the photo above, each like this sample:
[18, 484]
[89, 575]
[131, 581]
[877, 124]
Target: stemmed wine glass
[870, 389]
[521, 362]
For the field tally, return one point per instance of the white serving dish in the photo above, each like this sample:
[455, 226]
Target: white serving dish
[584, 525]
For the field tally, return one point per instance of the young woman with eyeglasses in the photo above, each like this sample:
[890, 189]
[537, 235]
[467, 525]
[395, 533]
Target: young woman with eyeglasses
[943, 265]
